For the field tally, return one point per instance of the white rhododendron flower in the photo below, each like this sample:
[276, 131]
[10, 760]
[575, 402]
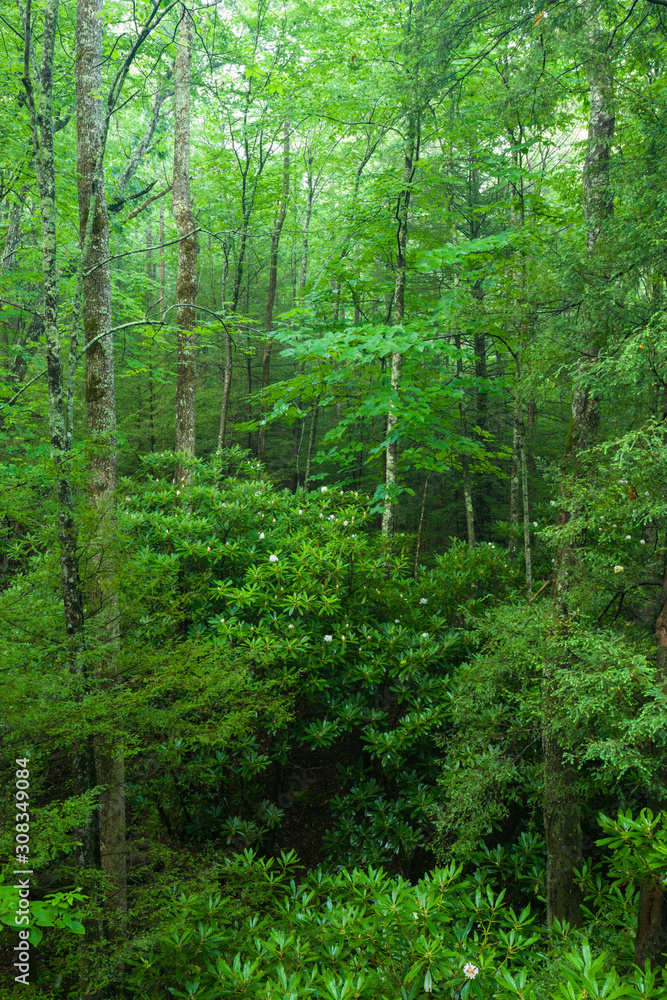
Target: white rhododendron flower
[423, 600]
[328, 638]
[261, 535]
[323, 489]
[470, 971]
[618, 569]
[273, 558]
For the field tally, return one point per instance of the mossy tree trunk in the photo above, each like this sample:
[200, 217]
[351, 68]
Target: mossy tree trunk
[102, 586]
[186, 280]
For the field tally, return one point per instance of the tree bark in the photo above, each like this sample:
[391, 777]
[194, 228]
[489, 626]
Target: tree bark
[526, 507]
[562, 820]
[311, 443]
[150, 274]
[42, 130]
[161, 265]
[306, 225]
[186, 280]
[14, 230]
[651, 935]
[398, 307]
[465, 460]
[514, 480]
[273, 285]
[102, 589]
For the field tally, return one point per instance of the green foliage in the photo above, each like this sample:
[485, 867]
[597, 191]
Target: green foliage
[610, 703]
[363, 934]
[639, 846]
[55, 910]
[356, 934]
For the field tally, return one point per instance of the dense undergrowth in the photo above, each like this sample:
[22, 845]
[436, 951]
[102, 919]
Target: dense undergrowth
[333, 762]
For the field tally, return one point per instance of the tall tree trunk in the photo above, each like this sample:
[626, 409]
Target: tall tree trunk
[226, 390]
[651, 936]
[227, 375]
[411, 154]
[150, 275]
[306, 225]
[562, 817]
[515, 478]
[526, 507]
[273, 285]
[161, 238]
[465, 459]
[561, 781]
[42, 130]
[481, 416]
[186, 281]
[102, 595]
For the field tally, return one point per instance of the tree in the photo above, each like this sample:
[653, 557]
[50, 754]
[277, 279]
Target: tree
[561, 794]
[186, 280]
[102, 586]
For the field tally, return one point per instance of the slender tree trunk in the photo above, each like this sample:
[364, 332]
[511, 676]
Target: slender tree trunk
[561, 784]
[273, 285]
[306, 226]
[161, 238]
[311, 443]
[410, 155]
[14, 230]
[421, 524]
[526, 507]
[227, 376]
[514, 479]
[186, 281]
[481, 416]
[42, 129]
[465, 460]
[390, 479]
[150, 275]
[651, 935]
[102, 595]
[226, 389]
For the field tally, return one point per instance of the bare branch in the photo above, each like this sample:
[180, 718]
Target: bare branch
[148, 201]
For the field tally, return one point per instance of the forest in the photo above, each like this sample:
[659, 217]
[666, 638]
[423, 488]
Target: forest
[333, 340]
